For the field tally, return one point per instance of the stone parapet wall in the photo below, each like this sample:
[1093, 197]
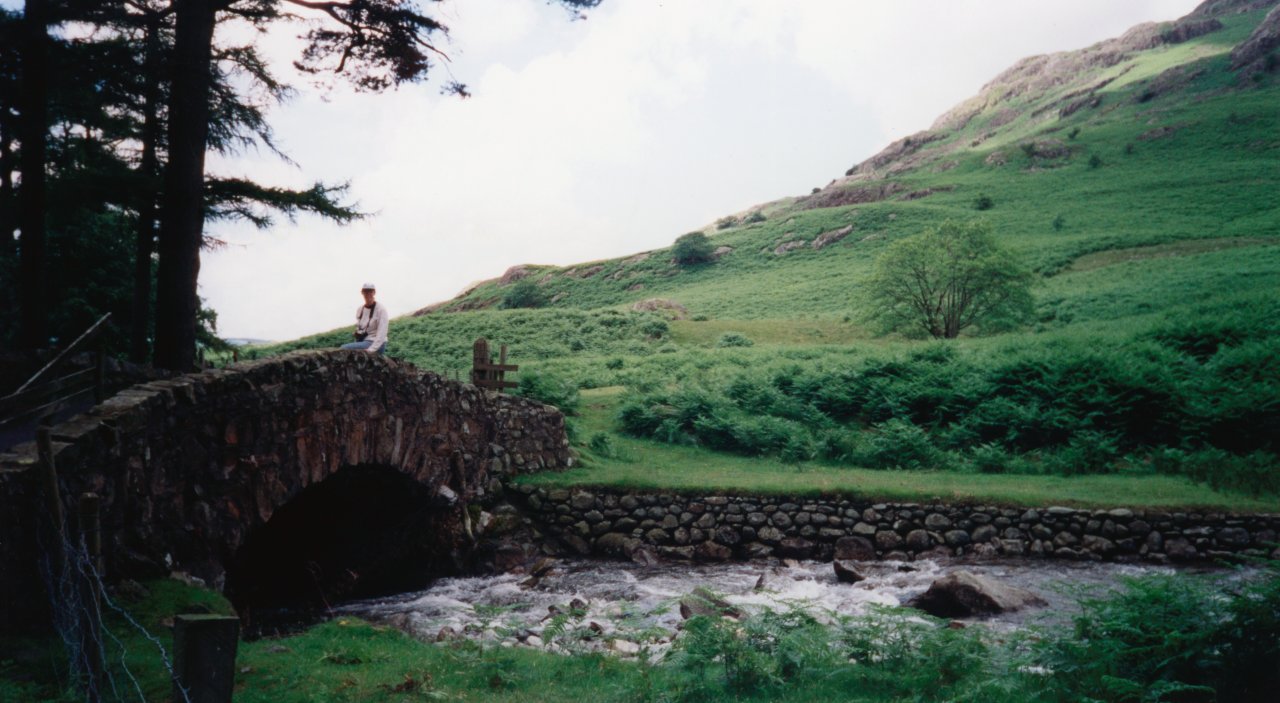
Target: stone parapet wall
[718, 528]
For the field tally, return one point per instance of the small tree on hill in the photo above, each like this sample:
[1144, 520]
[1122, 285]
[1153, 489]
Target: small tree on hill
[524, 294]
[948, 279]
[693, 248]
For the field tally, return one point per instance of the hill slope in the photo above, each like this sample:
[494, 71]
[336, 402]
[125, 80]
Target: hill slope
[1137, 177]
[1162, 121]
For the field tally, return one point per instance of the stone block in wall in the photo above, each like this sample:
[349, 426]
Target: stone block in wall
[984, 533]
[864, 529]
[795, 548]
[888, 540]
[712, 552]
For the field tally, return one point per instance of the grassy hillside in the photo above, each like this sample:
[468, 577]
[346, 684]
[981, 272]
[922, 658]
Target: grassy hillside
[1137, 178]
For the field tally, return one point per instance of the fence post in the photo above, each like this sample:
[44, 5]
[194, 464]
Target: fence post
[204, 657]
[91, 625]
[53, 497]
[479, 360]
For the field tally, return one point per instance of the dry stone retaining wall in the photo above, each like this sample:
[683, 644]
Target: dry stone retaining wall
[717, 528]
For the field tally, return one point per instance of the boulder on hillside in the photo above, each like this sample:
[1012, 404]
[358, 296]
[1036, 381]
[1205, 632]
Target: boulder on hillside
[829, 238]
[584, 271]
[514, 274]
[670, 308]
[840, 194]
[785, 247]
[963, 594]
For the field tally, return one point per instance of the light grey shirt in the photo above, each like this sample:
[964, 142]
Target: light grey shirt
[375, 324]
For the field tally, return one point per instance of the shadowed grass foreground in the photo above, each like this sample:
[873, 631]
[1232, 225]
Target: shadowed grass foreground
[1159, 635]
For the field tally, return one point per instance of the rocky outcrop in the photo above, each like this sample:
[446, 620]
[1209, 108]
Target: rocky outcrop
[895, 157]
[962, 594]
[828, 238]
[670, 308]
[842, 194]
[1218, 8]
[1076, 74]
[719, 527]
[1169, 81]
[1252, 54]
[584, 271]
[515, 273]
[1188, 29]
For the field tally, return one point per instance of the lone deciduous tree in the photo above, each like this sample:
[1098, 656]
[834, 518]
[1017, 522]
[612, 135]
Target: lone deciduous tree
[946, 280]
[692, 248]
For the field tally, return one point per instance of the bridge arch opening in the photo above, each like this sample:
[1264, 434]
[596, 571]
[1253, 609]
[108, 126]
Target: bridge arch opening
[365, 531]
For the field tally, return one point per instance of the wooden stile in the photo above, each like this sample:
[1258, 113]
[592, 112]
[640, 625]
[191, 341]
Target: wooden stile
[485, 373]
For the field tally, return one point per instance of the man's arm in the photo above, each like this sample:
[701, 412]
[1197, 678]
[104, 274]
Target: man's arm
[381, 322]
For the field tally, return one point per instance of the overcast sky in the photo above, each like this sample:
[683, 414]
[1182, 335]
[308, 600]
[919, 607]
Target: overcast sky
[605, 136]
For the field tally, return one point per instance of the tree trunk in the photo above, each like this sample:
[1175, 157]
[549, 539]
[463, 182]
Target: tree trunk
[8, 207]
[182, 212]
[148, 169]
[32, 132]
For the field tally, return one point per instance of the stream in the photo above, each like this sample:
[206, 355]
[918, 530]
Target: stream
[587, 604]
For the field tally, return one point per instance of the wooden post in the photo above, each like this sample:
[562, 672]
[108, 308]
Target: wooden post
[479, 360]
[91, 596]
[53, 498]
[204, 657]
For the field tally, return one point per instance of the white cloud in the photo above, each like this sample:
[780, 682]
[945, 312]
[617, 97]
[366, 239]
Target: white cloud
[613, 135]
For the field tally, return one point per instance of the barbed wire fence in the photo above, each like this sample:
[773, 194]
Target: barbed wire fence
[97, 656]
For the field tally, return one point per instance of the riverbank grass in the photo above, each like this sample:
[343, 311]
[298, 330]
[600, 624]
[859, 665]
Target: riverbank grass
[345, 659]
[1162, 634]
[621, 462]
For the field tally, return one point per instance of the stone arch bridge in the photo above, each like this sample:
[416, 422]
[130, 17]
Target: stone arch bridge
[189, 468]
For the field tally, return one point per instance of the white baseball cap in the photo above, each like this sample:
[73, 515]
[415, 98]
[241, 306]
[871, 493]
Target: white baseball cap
[368, 286]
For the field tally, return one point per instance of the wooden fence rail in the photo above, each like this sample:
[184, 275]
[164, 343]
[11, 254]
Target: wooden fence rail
[49, 391]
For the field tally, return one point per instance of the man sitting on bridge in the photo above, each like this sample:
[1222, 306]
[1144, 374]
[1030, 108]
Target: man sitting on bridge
[371, 324]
